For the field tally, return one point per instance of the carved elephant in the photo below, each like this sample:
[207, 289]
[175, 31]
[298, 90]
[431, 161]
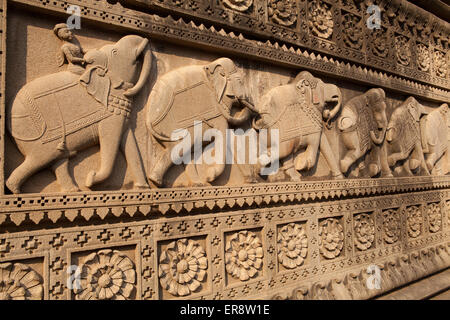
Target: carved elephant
[404, 137]
[434, 136]
[298, 110]
[54, 116]
[362, 125]
[206, 94]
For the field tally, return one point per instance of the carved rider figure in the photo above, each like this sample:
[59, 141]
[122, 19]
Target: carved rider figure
[73, 54]
[70, 52]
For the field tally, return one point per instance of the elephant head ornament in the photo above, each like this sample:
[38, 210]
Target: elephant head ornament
[55, 116]
[362, 125]
[206, 94]
[299, 110]
[404, 137]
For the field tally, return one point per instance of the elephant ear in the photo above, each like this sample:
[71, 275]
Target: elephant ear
[218, 79]
[94, 79]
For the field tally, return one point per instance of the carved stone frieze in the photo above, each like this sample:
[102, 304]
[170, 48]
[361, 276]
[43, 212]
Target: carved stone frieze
[221, 149]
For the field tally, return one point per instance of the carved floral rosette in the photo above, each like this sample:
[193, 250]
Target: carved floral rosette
[379, 43]
[423, 57]
[391, 226]
[403, 50]
[282, 12]
[106, 275]
[364, 231]
[238, 5]
[182, 267]
[414, 221]
[352, 31]
[331, 238]
[243, 255]
[440, 65]
[19, 282]
[292, 245]
[434, 217]
[321, 19]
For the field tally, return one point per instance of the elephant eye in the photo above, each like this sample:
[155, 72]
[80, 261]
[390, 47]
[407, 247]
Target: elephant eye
[114, 51]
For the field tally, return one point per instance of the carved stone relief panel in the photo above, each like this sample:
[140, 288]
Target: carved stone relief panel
[356, 148]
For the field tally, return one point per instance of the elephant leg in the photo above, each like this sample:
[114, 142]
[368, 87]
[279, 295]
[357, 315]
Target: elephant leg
[288, 167]
[432, 157]
[191, 172]
[38, 159]
[418, 159]
[351, 142]
[216, 169]
[382, 154]
[65, 180]
[110, 133]
[132, 155]
[267, 159]
[327, 152]
[307, 159]
[162, 164]
[374, 161]
[407, 168]
[437, 169]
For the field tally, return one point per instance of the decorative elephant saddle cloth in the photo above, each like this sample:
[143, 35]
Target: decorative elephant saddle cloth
[409, 131]
[299, 119]
[47, 110]
[434, 131]
[177, 110]
[364, 125]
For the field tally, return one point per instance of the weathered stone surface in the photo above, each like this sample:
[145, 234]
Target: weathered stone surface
[286, 151]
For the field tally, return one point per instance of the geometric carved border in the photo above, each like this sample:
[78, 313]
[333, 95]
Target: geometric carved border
[212, 231]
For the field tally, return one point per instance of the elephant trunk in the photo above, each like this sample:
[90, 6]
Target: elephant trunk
[146, 67]
[380, 138]
[238, 120]
[248, 105]
[333, 94]
[242, 116]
